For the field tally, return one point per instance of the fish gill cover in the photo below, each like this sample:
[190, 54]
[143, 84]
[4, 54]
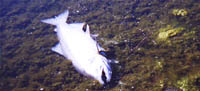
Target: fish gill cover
[156, 43]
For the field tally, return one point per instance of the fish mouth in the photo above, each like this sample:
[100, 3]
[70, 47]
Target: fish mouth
[103, 77]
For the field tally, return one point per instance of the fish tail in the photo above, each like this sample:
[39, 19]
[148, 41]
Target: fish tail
[61, 18]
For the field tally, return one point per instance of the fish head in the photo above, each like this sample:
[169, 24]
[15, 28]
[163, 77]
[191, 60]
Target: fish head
[102, 70]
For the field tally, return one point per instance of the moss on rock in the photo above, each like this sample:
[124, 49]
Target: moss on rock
[179, 12]
[164, 34]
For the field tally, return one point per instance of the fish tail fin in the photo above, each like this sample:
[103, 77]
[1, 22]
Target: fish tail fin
[61, 18]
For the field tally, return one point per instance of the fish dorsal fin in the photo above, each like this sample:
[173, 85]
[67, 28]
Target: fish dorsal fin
[57, 49]
[86, 29]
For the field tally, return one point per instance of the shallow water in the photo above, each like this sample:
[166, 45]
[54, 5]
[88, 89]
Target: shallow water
[156, 43]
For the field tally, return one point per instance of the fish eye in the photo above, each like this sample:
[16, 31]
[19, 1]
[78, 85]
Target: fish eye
[103, 76]
[84, 27]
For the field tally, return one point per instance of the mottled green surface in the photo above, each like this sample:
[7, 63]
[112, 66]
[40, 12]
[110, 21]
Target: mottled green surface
[128, 29]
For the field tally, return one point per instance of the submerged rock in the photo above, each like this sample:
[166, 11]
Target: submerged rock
[179, 12]
[165, 33]
[189, 83]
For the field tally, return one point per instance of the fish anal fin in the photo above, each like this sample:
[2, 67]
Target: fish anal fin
[57, 49]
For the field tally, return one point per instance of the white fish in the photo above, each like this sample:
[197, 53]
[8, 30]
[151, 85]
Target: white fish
[77, 45]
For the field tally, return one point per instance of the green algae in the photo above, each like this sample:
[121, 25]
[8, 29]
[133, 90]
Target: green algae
[168, 32]
[187, 82]
[179, 12]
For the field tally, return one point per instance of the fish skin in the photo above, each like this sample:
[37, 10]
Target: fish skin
[79, 47]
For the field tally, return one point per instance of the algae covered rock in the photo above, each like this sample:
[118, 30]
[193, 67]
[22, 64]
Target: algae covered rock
[189, 83]
[164, 34]
[179, 12]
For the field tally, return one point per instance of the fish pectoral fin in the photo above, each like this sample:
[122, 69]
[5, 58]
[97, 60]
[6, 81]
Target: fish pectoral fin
[57, 49]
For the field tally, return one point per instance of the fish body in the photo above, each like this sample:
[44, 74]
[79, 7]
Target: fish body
[77, 45]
